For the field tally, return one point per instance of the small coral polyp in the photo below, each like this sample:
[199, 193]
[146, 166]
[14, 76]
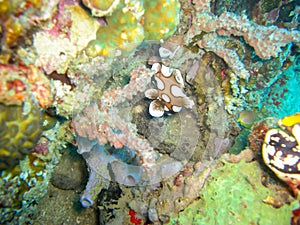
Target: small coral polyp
[130, 22]
[123, 32]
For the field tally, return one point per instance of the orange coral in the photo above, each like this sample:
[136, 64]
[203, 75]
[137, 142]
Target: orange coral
[19, 83]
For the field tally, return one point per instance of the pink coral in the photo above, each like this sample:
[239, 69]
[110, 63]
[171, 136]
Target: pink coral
[19, 82]
[42, 147]
[101, 121]
[266, 40]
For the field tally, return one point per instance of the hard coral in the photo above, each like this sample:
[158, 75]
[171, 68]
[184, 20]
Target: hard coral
[72, 29]
[161, 18]
[123, 32]
[101, 121]
[101, 8]
[21, 127]
[266, 41]
[132, 22]
[19, 83]
[16, 18]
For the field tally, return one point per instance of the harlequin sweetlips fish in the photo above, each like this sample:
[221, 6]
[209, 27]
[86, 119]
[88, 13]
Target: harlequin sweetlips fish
[281, 151]
[168, 95]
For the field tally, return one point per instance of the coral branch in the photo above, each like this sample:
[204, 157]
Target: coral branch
[101, 121]
[267, 41]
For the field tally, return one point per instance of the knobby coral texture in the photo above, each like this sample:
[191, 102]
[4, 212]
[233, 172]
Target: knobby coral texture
[101, 121]
[215, 32]
[130, 22]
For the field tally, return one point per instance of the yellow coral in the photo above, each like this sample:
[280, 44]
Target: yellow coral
[100, 7]
[124, 32]
[132, 22]
[161, 18]
[20, 130]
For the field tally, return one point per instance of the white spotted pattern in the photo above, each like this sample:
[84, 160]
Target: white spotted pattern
[166, 71]
[178, 77]
[177, 91]
[159, 83]
[166, 98]
[176, 108]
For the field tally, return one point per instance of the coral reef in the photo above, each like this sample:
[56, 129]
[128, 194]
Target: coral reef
[266, 41]
[232, 194]
[132, 22]
[75, 71]
[21, 127]
[100, 8]
[123, 31]
[284, 95]
[110, 142]
[100, 124]
[56, 48]
[220, 34]
[160, 19]
[157, 203]
[24, 83]
[23, 185]
[17, 18]
[111, 129]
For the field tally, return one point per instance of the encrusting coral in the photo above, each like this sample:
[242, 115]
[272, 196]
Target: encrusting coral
[266, 41]
[24, 83]
[130, 22]
[20, 130]
[100, 124]
[232, 194]
[108, 127]
[271, 45]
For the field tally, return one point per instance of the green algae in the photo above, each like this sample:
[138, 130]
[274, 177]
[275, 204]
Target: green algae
[234, 195]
